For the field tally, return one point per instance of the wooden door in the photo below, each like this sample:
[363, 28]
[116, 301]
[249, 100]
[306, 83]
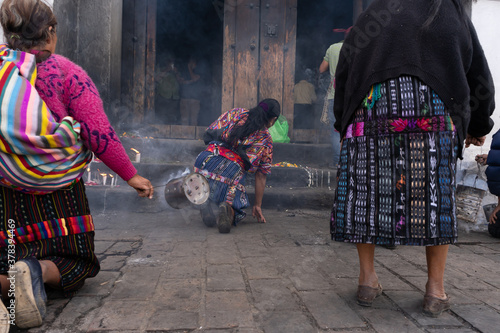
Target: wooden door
[259, 53]
[138, 64]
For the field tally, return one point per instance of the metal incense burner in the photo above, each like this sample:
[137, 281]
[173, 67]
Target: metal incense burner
[184, 191]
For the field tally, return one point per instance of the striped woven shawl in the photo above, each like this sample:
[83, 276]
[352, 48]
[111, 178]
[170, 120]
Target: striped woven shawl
[37, 154]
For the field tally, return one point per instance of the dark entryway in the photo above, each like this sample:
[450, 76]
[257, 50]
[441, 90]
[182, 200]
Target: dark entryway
[188, 62]
[315, 22]
[244, 50]
[160, 40]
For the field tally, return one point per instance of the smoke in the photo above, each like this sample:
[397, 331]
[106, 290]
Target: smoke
[176, 175]
[192, 28]
[315, 21]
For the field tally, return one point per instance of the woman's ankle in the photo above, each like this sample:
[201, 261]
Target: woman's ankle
[50, 274]
[370, 280]
[435, 290]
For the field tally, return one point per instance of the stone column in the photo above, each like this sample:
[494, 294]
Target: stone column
[89, 33]
[66, 12]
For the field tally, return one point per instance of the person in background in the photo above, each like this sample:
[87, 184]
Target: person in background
[329, 63]
[492, 159]
[304, 95]
[406, 99]
[193, 90]
[239, 143]
[168, 94]
[54, 233]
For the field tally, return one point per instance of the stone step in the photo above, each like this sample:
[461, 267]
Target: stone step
[160, 151]
[103, 199]
[161, 174]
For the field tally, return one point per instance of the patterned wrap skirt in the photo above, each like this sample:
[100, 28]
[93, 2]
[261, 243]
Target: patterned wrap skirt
[396, 176]
[226, 180]
[56, 227]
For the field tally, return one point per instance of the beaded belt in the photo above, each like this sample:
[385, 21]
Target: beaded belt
[400, 125]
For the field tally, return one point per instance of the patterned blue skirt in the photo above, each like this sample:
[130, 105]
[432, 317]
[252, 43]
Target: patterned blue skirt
[226, 180]
[396, 177]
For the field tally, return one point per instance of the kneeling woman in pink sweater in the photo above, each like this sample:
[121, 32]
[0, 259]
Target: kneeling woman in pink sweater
[53, 233]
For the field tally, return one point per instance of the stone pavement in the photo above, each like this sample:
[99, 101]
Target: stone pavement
[166, 272]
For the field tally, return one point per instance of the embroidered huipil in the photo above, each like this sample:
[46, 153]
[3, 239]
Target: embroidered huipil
[260, 152]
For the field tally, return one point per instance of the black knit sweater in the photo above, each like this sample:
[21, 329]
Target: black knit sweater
[388, 41]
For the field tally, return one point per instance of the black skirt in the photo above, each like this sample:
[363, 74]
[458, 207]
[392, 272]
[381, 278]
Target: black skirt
[56, 227]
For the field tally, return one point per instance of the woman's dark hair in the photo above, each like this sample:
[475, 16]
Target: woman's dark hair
[258, 118]
[27, 23]
[436, 6]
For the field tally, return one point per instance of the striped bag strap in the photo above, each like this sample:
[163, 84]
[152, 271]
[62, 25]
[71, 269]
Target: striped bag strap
[37, 153]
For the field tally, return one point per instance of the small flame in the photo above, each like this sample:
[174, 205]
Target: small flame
[135, 150]
[103, 174]
[111, 175]
[88, 169]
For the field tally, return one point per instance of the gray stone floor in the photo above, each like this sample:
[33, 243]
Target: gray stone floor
[167, 272]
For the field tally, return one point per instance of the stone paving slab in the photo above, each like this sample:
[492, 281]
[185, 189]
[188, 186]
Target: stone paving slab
[388, 320]
[187, 292]
[271, 295]
[166, 272]
[224, 277]
[482, 318]
[411, 303]
[228, 309]
[329, 310]
[289, 321]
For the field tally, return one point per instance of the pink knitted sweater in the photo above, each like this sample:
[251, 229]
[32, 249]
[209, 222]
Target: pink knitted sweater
[68, 90]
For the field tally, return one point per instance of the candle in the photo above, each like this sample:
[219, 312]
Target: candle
[104, 178]
[112, 180]
[137, 155]
[89, 179]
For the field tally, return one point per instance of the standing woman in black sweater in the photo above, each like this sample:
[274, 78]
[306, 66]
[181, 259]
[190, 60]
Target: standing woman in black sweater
[412, 84]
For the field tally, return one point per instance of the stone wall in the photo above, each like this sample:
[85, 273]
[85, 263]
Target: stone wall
[89, 33]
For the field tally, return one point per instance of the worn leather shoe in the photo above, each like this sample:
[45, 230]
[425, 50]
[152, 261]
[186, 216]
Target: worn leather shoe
[225, 218]
[367, 294]
[30, 299]
[434, 306]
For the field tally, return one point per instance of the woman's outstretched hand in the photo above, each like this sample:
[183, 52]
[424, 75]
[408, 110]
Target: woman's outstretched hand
[142, 186]
[257, 213]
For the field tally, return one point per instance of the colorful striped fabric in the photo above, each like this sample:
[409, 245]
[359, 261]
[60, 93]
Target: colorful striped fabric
[48, 229]
[37, 154]
[260, 151]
